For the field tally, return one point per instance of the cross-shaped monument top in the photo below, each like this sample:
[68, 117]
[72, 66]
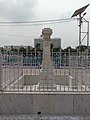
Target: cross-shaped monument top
[46, 33]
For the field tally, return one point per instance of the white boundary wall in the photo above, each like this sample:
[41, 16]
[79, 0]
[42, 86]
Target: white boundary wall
[47, 104]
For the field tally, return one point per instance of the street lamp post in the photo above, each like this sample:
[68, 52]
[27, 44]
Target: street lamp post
[81, 20]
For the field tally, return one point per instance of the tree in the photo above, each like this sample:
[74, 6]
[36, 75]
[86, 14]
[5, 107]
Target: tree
[22, 50]
[2, 50]
[82, 48]
[69, 48]
[11, 46]
[37, 46]
[57, 49]
[29, 49]
[14, 50]
[51, 46]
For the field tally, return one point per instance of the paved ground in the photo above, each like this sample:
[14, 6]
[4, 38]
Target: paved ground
[27, 117]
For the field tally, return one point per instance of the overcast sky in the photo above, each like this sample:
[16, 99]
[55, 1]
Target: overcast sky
[34, 10]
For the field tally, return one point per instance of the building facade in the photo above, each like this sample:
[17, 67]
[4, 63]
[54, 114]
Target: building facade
[56, 42]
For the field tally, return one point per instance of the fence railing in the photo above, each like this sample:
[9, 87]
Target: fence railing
[21, 72]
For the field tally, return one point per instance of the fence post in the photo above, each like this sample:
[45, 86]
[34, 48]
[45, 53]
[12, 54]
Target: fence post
[69, 61]
[0, 70]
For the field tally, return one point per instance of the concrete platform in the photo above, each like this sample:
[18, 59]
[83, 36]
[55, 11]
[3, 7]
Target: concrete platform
[54, 104]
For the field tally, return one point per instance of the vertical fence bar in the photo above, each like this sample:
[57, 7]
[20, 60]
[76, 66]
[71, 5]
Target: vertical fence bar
[69, 62]
[14, 77]
[82, 64]
[5, 69]
[21, 68]
[10, 66]
[56, 62]
[77, 70]
[18, 69]
[31, 62]
[35, 62]
[76, 80]
[0, 70]
[89, 75]
[81, 77]
[65, 64]
[60, 61]
[52, 60]
[78, 60]
[69, 57]
[87, 64]
[26, 69]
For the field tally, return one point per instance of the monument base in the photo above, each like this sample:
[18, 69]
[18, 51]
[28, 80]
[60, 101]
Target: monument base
[46, 79]
[45, 85]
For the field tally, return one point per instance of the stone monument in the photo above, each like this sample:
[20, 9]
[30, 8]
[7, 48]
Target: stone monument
[46, 74]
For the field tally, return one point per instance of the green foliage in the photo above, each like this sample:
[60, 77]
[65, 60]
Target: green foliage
[81, 48]
[51, 46]
[22, 50]
[37, 47]
[2, 50]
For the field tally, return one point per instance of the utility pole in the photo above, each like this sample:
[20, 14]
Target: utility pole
[82, 20]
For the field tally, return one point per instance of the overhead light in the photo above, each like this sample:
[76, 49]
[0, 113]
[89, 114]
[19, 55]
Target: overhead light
[79, 11]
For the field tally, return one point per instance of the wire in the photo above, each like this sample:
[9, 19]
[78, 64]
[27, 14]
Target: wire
[16, 35]
[38, 21]
[35, 23]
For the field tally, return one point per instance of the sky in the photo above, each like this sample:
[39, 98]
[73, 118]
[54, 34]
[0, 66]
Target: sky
[40, 10]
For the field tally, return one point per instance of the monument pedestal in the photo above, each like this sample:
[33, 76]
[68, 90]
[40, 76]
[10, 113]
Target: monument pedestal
[46, 75]
[46, 80]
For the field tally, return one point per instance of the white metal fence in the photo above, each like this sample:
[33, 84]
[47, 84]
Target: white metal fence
[20, 72]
